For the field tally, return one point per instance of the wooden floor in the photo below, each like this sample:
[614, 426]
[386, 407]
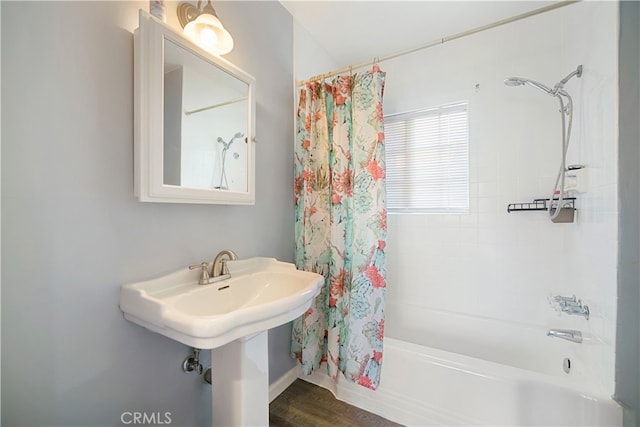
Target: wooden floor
[306, 405]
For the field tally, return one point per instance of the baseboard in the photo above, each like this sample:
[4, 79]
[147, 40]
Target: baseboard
[394, 407]
[281, 384]
[356, 395]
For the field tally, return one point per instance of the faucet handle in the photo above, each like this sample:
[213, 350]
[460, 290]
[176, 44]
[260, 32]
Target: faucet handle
[204, 273]
[560, 299]
[223, 267]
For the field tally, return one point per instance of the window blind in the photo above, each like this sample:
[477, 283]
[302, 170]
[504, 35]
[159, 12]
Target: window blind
[427, 160]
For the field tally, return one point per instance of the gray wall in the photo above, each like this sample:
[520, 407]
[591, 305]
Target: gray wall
[72, 231]
[628, 328]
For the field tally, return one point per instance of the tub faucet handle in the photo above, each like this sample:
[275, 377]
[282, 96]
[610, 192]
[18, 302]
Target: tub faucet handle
[570, 303]
[560, 299]
[204, 273]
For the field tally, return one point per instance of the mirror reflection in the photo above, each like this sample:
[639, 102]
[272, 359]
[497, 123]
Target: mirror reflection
[205, 124]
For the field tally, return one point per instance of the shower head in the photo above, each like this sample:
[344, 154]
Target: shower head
[519, 81]
[514, 81]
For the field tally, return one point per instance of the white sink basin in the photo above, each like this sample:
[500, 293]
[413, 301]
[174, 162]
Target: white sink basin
[262, 293]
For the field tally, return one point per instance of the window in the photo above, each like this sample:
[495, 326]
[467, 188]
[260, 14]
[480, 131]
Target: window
[427, 157]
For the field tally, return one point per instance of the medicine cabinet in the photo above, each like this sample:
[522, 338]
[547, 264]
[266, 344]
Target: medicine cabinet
[194, 121]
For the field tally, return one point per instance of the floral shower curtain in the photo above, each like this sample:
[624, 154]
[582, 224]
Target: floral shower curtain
[341, 225]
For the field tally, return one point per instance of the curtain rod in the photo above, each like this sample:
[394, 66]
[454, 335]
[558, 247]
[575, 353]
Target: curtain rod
[222, 104]
[443, 40]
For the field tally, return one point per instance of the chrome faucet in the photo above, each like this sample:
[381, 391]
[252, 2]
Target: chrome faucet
[576, 308]
[566, 334]
[219, 267]
[571, 305]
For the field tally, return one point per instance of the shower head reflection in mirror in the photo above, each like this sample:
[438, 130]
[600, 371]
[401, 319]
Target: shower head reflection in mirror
[224, 184]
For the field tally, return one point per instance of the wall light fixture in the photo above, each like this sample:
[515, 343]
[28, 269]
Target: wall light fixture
[202, 25]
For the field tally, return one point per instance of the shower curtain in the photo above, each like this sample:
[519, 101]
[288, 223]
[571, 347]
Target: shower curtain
[341, 225]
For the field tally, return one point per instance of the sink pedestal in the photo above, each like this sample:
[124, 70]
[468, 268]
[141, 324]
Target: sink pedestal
[240, 382]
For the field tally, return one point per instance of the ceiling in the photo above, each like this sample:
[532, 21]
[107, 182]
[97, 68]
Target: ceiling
[354, 32]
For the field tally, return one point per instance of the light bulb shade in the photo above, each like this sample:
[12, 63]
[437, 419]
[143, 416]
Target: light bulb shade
[207, 31]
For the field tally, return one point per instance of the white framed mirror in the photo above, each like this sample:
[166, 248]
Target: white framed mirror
[194, 118]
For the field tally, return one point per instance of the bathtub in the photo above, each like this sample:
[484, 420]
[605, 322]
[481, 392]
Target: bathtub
[517, 344]
[425, 386]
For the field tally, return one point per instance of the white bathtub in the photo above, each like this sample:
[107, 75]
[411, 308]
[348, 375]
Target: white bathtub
[422, 386]
[517, 344]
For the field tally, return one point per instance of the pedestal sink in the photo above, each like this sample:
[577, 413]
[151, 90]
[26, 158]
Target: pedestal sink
[231, 317]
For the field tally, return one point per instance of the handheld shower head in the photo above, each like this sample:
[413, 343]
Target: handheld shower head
[514, 81]
[519, 81]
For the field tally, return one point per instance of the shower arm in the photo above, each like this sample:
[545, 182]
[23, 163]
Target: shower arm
[558, 87]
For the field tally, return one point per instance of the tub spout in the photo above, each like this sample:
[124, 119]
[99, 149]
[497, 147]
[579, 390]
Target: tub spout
[566, 334]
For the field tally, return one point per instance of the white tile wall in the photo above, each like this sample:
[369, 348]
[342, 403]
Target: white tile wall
[494, 264]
